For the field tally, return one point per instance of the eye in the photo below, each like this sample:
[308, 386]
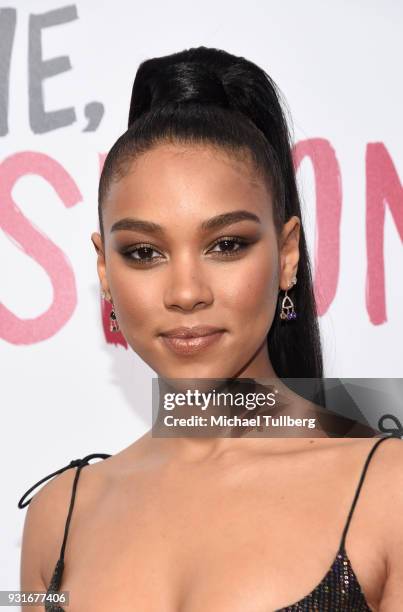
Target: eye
[232, 245]
[228, 246]
[143, 254]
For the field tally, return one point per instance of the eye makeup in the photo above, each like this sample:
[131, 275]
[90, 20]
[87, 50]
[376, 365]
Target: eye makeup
[229, 247]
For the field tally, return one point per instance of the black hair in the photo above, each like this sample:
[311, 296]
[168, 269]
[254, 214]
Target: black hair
[207, 95]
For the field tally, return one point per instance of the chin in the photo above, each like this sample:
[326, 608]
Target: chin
[196, 371]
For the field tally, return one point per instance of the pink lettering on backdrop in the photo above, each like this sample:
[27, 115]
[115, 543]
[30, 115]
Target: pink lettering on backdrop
[106, 307]
[37, 245]
[328, 214]
[383, 187]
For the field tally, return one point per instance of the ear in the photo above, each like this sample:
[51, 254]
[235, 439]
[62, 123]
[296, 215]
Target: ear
[96, 239]
[289, 252]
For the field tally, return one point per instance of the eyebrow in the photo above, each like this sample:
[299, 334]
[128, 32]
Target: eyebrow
[132, 224]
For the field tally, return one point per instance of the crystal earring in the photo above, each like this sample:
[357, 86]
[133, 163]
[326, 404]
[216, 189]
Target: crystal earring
[287, 306]
[113, 324]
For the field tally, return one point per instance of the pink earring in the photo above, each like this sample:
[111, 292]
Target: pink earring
[287, 306]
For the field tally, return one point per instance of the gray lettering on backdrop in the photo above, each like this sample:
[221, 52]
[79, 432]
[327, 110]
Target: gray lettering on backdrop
[40, 120]
[94, 111]
[8, 18]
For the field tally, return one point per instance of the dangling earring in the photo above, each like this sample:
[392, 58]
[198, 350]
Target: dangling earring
[113, 324]
[287, 305]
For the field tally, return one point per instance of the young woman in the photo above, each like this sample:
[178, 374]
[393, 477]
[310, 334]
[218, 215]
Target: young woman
[200, 241]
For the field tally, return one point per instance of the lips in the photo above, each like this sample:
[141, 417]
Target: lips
[188, 340]
[191, 332]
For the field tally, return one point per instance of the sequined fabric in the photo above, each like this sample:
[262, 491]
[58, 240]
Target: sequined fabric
[339, 591]
[54, 587]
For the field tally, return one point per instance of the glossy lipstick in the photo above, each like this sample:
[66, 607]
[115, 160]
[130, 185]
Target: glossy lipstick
[189, 340]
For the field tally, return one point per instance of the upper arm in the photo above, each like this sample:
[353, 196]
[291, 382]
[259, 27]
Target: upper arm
[31, 578]
[43, 534]
[392, 595]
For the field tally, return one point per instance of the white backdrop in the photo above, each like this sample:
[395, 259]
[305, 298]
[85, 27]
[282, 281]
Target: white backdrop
[66, 392]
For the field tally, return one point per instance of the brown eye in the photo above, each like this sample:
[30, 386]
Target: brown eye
[141, 254]
[230, 246]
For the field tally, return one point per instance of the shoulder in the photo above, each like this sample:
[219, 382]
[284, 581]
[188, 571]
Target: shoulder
[389, 462]
[46, 517]
[385, 462]
[384, 459]
[385, 492]
[43, 527]
[388, 502]
[388, 470]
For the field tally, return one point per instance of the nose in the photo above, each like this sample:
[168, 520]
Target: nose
[187, 287]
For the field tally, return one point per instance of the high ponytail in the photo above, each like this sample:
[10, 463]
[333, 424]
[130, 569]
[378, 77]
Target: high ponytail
[205, 95]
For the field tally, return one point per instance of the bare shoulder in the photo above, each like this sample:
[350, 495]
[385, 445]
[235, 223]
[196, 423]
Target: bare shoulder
[43, 529]
[389, 460]
[47, 512]
[46, 517]
[387, 501]
[383, 489]
[388, 472]
[386, 463]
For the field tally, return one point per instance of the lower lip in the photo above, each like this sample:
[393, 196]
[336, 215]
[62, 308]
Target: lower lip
[188, 346]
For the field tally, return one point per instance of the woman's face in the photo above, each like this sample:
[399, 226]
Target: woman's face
[198, 267]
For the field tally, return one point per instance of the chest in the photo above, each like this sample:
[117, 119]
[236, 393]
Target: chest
[187, 542]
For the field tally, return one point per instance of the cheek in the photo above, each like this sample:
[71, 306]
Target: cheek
[245, 294]
[251, 291]
[136, 297]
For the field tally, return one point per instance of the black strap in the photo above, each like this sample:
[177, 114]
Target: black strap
[394, 431]
[73, 463]
[79, 463]
[399, 434]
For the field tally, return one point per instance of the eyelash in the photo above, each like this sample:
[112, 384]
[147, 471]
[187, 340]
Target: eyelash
[243, 244]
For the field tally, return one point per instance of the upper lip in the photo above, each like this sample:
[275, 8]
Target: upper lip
[191, 332]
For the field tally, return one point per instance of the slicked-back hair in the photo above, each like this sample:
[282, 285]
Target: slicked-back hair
[206, 95]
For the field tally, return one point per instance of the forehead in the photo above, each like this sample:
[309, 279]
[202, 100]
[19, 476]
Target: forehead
[182, 182]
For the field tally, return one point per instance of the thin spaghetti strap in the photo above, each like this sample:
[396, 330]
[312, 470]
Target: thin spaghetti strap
[73, 463]
[83, 462]
[59, 569]
[78, 463]
[364, 471]
[70, 512]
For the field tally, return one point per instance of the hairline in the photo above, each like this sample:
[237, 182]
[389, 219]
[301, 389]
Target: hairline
[242, 153]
